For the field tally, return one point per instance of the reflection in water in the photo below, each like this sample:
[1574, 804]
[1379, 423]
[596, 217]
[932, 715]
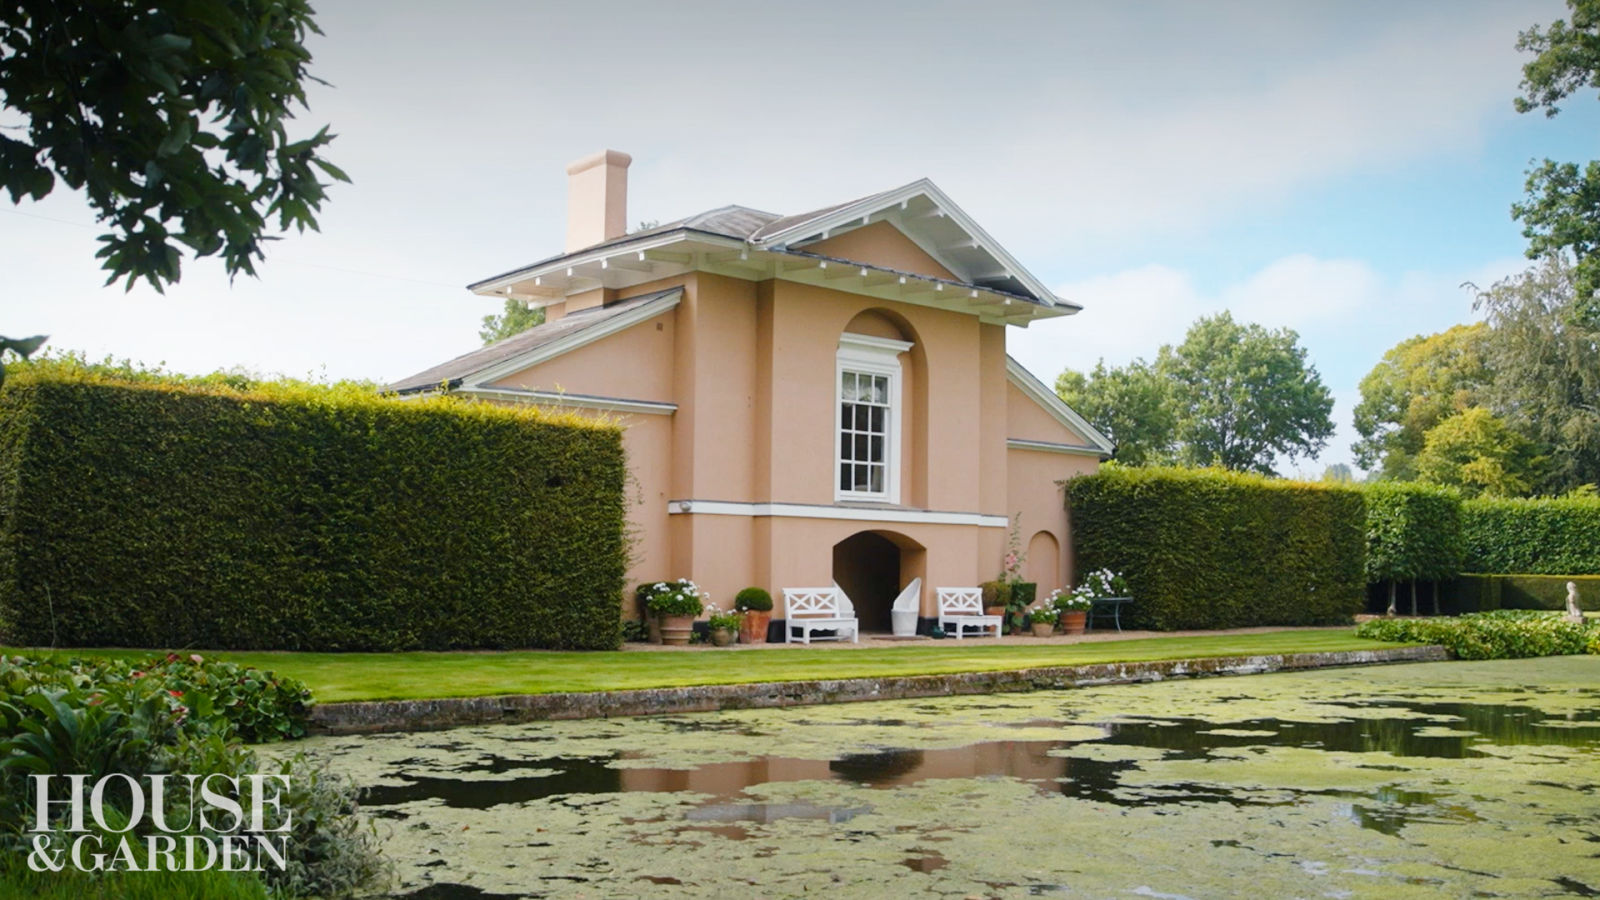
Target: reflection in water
[1168, 766]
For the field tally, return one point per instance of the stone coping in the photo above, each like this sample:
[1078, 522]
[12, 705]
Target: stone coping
[375, 716]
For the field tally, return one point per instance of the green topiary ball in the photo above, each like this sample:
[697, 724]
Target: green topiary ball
[753, 599]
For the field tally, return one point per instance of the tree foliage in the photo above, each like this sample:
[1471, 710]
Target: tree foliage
[1562, 209]
[1131, 405]
[1546, 366]
[1245, 395]
[516, 318]
[172, 117]
[1477, 453]
[1420, 382]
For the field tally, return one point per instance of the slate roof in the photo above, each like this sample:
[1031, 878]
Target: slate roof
[502, 350]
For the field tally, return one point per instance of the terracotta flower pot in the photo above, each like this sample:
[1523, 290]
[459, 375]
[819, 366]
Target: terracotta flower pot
[722, 637]
[1072, 621]
[994, 610]
[1043, 629]
[753, 627]
[675, 630]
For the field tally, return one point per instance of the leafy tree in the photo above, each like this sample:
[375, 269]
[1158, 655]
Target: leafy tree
[1338, 473]
[515, 319]
[1245, 395]
[1478, 453]
[172, 117]
[1562, 210]
[1546, 368]
[1131, 405]
[1420, 382]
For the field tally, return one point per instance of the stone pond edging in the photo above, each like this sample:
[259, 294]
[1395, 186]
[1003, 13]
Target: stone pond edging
[368, 717]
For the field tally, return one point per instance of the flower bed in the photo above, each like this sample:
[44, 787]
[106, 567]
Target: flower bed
[1502, 634]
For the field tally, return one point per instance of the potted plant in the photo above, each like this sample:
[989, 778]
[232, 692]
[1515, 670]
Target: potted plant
[1043, 621]
[1072, 608]
[996, 597]
[1019, 593]
[724, 626]
[756, 604]
[676, 604]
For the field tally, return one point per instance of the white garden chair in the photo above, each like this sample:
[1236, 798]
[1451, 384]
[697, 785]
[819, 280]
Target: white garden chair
[903, 615]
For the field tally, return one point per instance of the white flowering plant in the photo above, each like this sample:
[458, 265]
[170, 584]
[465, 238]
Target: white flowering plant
[674, 598]
[718, 618]
[1064, 601]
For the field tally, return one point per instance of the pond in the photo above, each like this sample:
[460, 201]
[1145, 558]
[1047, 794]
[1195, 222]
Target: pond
[1427, 780]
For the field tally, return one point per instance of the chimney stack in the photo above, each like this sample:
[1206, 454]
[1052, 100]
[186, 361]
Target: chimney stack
[597, 199]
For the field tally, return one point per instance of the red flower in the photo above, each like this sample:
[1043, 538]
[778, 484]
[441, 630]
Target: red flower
[136, 674]
[176, 693]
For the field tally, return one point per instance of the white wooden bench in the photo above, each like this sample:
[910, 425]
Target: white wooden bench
[818, 609]
[962, 608]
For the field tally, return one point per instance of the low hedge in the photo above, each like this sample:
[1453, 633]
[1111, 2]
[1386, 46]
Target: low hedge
[1476, 592]
[1207, 548]
[1501, 634]
[1541, 537]
[146, 512]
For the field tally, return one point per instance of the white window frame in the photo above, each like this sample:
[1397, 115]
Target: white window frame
[871, 356]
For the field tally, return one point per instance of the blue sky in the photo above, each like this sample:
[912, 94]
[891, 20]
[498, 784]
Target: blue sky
[1335, 168]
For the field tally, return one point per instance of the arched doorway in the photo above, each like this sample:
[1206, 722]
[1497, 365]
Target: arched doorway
[1044, 562]
[871, 567]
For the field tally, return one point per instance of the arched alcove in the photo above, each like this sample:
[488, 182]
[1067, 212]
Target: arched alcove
[1044, 562]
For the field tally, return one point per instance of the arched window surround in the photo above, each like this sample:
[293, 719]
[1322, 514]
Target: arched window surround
[867, 448]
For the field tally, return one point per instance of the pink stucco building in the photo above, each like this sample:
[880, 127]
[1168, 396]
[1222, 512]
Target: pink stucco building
[806, 398]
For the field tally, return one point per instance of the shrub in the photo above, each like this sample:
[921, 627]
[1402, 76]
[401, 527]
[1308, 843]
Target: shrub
[255, 705]
[142, 512]
[996, 593]
[752, 599]
[1540, 537]
[1042, 615]
[1502, 634]
[1205, 548]
[1478, 593]
[97, 717]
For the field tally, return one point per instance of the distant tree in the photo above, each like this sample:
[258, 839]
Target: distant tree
[1420, 382]
[1546, 366]
[171, 116]
[1245, 395]
[1562, 209]
[514, 319]
[1131, 405]
[1478, 453]
[1339, 473]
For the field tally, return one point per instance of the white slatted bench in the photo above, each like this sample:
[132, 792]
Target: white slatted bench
[962, 608]
[817, 609]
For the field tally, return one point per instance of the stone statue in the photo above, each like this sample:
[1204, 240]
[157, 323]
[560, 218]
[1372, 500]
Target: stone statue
[1574, 614]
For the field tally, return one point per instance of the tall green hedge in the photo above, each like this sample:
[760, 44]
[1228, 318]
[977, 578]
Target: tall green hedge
[1205, 548]
[1540, 537]
[143, 513]
[1413, 532]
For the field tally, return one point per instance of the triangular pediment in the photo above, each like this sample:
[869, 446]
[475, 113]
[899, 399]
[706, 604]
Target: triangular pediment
[929, 219]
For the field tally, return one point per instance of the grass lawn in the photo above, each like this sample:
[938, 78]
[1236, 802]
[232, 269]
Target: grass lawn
[400, 676]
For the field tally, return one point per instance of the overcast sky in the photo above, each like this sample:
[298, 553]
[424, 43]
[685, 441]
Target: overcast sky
[1339, 168]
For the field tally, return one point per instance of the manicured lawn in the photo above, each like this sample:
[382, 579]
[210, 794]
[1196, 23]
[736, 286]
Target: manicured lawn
[395, 676]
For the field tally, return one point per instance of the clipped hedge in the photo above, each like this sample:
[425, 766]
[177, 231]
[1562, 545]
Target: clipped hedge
[140, 512]
[1206, 548]
[1480, 593]
[1413, 532]
[1542, 537]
